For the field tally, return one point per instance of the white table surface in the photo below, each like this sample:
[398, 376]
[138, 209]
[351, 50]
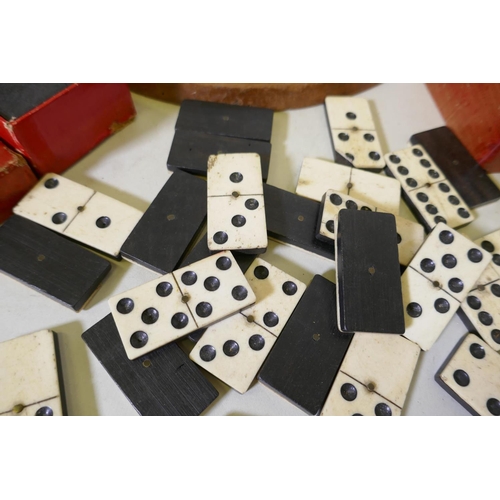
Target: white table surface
[131, 167]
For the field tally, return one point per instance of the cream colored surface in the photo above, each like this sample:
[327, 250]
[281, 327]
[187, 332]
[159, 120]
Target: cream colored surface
[364, 404]
[337, 109]
[466, 270]
[494, 239]
[317, 176]
[252, 235]
[384, 362]
[28, 375]
[42, 203]
[412, 236]
[483, 373]
[160, 333]
[270, 296]
[220, 168]
[359, 147]
[425, 329]
[237, 371]
[109, 239]
[222, 302]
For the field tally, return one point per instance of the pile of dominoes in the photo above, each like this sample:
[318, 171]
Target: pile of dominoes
[248, 320]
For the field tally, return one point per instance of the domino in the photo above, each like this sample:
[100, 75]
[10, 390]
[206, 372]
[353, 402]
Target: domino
[175, 217]
[292, 219]
[458, 165]
[190, 151]
[413, 168]
[410, 237]
[234, 349]
[309, 351]
[451, 260]
[276, 296]
[349, 397]
[331, 204]
[353, 132]
[225, 119]
[428, 193]
[380, 366]
[30, 376]
[491, 243]
[480, 312]
[79, 213]
[179, 303]
[163, 382]
[236, 217]
[439, 203]
[49, 263]
[470, 376]
[427, 308]
[369, 297]
[316, 176]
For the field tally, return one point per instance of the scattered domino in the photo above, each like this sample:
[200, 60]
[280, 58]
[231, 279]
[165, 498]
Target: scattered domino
[234, 349]
[458, 165]
[471, 376]
[309, 351]
[316, 176]
[236, 217]
[163, 382]
[353, 132]
[369, 297]
[176, 304]
[80, 213]
[491, 243]
[50, 264]
[380, 366]
[29, 376]
[429, 194]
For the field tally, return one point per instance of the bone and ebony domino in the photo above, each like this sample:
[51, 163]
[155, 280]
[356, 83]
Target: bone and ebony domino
[30, 376]
[369, 296]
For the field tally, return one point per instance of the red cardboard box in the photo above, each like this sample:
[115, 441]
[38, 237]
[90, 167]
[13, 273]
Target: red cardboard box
[16, 179]
[54, 125]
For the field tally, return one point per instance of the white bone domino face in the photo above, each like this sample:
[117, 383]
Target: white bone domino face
[317, 176]
[472, 374]
[413, 167]
[349, 112]
[236, 172]
[233, 350]
[151, 315]
[427, 309]
[491, 243]
[54, 202]
[236, 223]
[215, 291]
[104, 224]
[452, 260]
[349, 397]
[277, 294]
[482, 307]
[411, 236]
[361, 147]
[28, 376]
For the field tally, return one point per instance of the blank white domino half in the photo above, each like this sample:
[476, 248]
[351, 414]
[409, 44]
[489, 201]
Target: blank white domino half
[317, 176]
[353, 131]
[383, 363]
[89, 217]
[411, 236]
[472, 376]
[29, 378]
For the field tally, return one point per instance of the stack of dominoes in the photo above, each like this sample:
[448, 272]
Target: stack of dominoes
[349, 348]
